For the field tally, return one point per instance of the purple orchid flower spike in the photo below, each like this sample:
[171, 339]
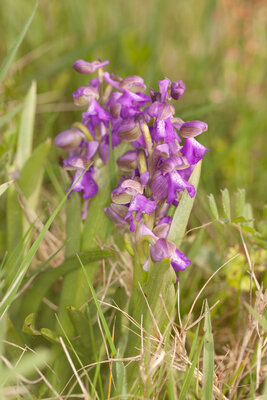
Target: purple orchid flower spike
[161, 155]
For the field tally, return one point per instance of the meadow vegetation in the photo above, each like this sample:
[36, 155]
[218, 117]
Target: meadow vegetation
[67, 325]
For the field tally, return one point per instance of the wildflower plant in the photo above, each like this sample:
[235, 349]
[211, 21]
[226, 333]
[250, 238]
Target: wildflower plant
[155, 170]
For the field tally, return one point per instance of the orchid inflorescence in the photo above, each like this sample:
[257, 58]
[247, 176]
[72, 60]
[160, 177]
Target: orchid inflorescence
[157, 167]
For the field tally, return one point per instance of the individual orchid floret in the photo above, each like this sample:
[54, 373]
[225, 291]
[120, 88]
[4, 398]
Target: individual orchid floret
[166, 249]
[133, 83]
[141, 205]
[84, 182]
[69, 139]
[177, 89]
[84, 95]
[84, 67]
[193, 151]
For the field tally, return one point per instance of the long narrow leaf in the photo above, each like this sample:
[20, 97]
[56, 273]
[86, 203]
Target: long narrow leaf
[183, 210]
[10, 56]
[24, 146]
[100, 312]
[208, 358]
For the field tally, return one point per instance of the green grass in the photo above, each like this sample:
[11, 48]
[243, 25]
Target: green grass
[66, 331]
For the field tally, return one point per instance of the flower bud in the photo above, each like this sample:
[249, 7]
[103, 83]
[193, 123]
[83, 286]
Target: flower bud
[191, 129]
[85, 95]
[69, 139]
[177, 89]
[128, 161]
[129, 131]
[133, 83]
[84, 67]
[76, 162]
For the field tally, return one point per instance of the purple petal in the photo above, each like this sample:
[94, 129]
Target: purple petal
[176, 185]
[193, 150]
[163, 89]
[179, 261]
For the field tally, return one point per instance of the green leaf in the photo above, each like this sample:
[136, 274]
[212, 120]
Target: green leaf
[121, 381]
[100, 312]
[73, 227]
[183, 210]
[29, 325]
[81, 326]
[213, 206]
[4, 187]
[238, 220]
[46, 279]
[34, 168]
[24, 146]
[262, 321]
[50, 335]
[226, 203]
[190, 372]
[208, 357]
[10, 56]
[240, 202]
[15, 284]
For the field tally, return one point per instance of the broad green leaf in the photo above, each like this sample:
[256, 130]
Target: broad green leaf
[226, 203]
[46, 279]
[213, 206]
[24, 146]
[73, 228]
[183, 210]
[208, 357]
[121, 380]
[30, 179]
[240, 202]
[96, 226]
[81, 326]
[10, 56]
[4, 187]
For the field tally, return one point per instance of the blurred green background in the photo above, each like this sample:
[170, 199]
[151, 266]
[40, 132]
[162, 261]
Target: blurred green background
[218, 48]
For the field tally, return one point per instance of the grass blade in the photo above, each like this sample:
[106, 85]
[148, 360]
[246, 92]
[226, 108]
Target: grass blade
[4, 187]
[100, 312]
[24, 147]
[208, 357]
[262, 321]
[10, 56]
